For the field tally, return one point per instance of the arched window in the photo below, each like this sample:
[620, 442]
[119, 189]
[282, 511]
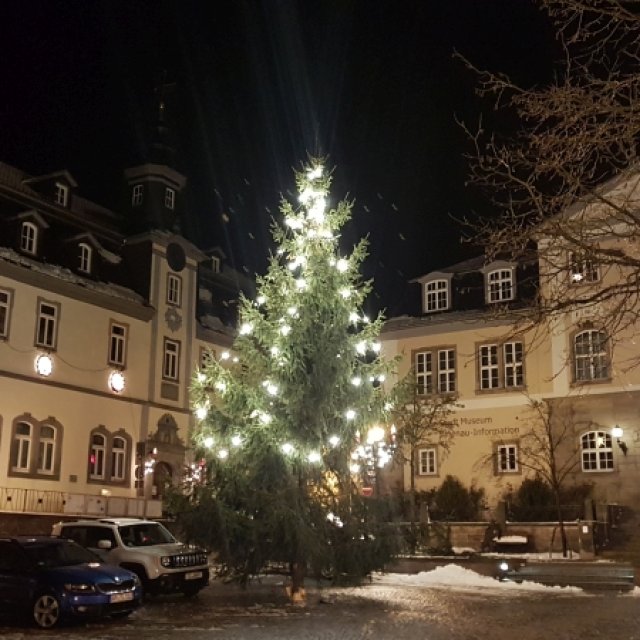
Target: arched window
[590, 355]
[21, 447]
[28, 237]
[597, 452]
[436, 296]
[85, 257]
[118, 459]
[46, 449]
[97, 456]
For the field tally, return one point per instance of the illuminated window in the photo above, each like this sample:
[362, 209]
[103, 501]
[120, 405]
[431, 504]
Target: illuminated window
[435, 371]
[85, 257]
[169, 198]
[501, 366]
[28, 237]
[137, 195]
[597, 451]
[500, 285]
[46, 333]
[436, 296]
[117, 345]
[174, 289]
[5, 309]
[427, 462]
[61, 194]
[590, 356]
[97, 456]
[507, 458]
[171, 360]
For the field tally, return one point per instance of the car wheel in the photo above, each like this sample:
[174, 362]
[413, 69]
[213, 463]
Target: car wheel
[46, 611]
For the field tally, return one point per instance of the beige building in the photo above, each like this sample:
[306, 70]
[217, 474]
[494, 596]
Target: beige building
[100, 334]
[472, 340]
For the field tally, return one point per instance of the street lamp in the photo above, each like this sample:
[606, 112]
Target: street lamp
[617, 433]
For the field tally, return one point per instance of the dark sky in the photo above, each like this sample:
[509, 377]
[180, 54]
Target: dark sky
[259, 85]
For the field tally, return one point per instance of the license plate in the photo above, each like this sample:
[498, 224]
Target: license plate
[121, 597]
[193, 575]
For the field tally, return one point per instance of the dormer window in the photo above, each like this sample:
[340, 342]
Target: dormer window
[169, 198]
[500, 285]
[85, 258]
[137, 195]
[28, 237]
[436, 296]
[583, 270]
[61, 194]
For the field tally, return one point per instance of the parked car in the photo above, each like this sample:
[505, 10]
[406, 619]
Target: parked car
[49, 579]
[145, 547]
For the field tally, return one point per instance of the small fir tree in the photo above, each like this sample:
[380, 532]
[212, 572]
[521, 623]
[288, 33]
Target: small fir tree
[279, 423]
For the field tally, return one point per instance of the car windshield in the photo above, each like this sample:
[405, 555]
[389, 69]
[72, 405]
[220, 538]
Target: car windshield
[58, 553]
[144, 534]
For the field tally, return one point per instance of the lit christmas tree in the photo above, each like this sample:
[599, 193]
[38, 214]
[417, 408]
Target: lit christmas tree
[282, 425]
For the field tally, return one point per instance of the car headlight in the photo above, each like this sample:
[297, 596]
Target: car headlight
[165, 561]
[81, 587]
[503, 566]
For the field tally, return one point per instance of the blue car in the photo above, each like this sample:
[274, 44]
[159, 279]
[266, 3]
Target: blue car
[50, 579]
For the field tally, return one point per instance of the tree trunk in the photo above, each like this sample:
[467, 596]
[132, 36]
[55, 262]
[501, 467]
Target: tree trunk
[296, 591]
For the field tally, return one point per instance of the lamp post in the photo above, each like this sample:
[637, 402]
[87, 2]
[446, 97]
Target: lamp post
[617, 433]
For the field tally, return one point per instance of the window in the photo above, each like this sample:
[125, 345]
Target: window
[174, 289]
[437, 365]
[118, 457]
[97, 456]
[5, 308]
[47, 324]
[590, 356]
[427, 462]
[61, 194]
[436, 296]
[137, 195]
[21, 449]
[501, 366]
[500, 285]
[597, 452]
[171, 361]
[85, 258]
[169, 198]
[28, 237]
[215, 264]
[507, 458]
[207, 356]
[46, 449]
[583, 270]
[117, 345]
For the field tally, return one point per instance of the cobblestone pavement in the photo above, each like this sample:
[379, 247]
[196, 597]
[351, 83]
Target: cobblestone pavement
[383, 612]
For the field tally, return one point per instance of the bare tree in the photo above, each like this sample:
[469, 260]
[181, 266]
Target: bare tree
[421, 419]
[567, 185]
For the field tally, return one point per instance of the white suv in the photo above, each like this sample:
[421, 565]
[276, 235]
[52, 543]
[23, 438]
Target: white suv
[145, 547]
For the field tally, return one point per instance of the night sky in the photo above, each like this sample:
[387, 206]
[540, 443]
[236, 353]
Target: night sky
[260, 85]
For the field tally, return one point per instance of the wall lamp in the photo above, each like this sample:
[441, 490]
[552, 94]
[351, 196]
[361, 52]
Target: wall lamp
[617, 433]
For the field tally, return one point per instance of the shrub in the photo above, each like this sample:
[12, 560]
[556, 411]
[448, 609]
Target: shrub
[453, 502]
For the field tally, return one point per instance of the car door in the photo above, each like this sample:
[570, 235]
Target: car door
[17, 577]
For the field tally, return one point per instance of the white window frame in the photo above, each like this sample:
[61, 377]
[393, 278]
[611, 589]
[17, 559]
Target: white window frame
[21, 448]
[435, 371]
[447, 371]
[582, 269]
[500, 285]
[137, 195]
[215, 264]
[170, 198]
[29, 237]
[86, 254]
[171, 360]
[489, 367]
[427, 459]
[590, 355]
[513, 364]
[501, 366]
[596, 451]
[47, 325]
[118, 459]
[436, 296]
[424, 372]
[47, 450]
[61, 194]
[5, 312]
[507, 458]
[174, 290]
[118, 334]
[98, 456]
